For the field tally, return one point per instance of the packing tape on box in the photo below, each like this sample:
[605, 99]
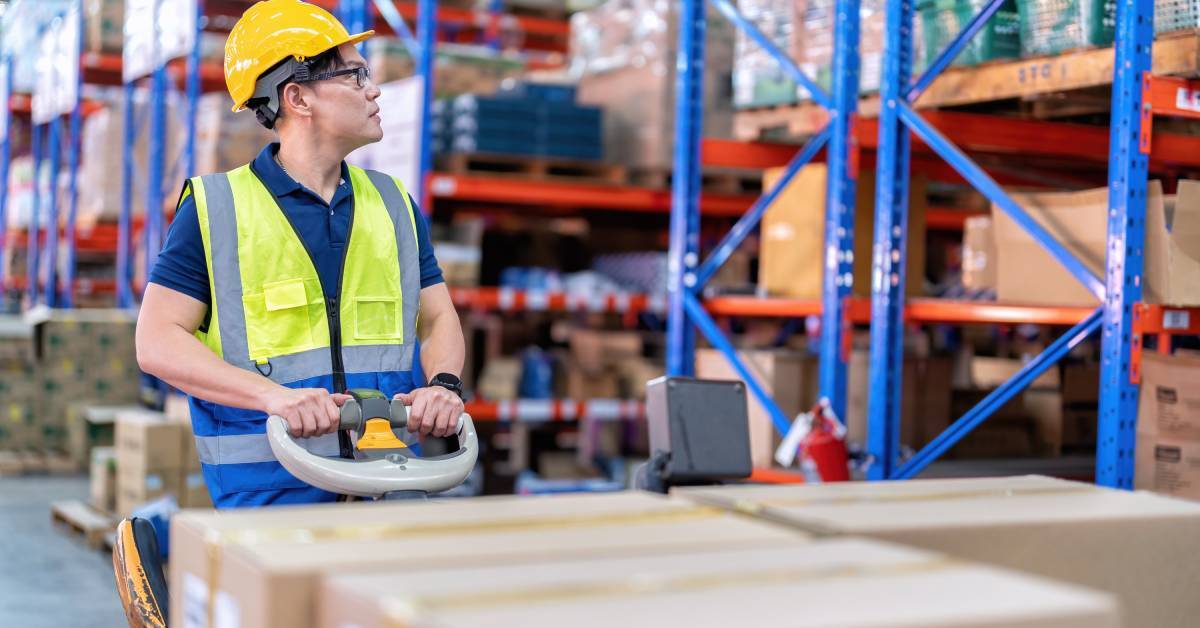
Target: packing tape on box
[757, 506]
[403, 613]
[214, 541]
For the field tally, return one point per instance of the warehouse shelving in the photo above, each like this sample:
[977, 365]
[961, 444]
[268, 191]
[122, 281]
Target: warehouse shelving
[1125, 67]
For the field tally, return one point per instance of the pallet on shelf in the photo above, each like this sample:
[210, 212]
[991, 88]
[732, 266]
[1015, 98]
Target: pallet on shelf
[532, 167]
[1174, 54]
[719, 179]
[84, 520]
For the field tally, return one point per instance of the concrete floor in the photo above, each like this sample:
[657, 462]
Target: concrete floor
[48, 577]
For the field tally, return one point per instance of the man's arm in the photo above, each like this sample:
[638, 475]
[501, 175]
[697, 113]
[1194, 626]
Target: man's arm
[168, 349]
[435, 409]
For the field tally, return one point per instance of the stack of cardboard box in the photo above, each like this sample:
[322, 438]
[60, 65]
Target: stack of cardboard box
[1168, 428]
[598, 362]
[579, 560]
[156, 456]
[1126, 544]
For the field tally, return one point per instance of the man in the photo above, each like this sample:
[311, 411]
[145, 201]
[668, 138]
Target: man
[294, 278]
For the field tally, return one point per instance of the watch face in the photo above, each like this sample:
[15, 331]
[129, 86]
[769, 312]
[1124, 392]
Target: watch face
[448, 380]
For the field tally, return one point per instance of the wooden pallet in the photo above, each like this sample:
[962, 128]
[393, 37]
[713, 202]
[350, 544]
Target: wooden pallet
[35, 462]
[1025, 80]
[81, 518]
[531, 167]
[717, 180]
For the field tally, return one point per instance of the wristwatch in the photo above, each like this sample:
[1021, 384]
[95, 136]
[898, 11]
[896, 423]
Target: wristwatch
[449, 382]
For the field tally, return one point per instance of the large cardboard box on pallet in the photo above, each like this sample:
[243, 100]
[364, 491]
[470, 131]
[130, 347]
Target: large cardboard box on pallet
[790, 377]
[1168, 428]
[844, 582]
[1128, 544]
[262, 567]
[792, 248]
[1026, 273]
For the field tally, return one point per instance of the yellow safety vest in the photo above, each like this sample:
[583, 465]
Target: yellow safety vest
[269, 313]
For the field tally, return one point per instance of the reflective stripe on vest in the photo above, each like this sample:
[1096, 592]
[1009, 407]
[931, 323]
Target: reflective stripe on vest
[268, 308]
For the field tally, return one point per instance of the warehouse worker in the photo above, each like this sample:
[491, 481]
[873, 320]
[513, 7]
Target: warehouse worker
[296, 277]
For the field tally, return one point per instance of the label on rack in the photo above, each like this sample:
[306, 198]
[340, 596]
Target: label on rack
[1187, 99]
[1176, 319]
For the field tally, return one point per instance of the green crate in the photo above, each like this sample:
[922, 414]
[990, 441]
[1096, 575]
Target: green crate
[1176, 15]
[1052, 26]
[942, 20]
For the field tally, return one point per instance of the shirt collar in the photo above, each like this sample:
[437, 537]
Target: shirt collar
[280, 183]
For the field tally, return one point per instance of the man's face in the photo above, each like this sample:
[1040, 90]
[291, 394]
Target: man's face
[344, 111]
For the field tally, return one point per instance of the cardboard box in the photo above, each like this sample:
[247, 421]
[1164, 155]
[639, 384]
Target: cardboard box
[925, 409]
[1124, 543]
[594, 351]
[581, 384]
[103, 476]
[193, 492]
[979, 254]
[1168, 428]
[792, 247]
[721, 587]
[268, 562]
[138, 486]
[146, 440]
[91, 425]
[789, 377]
[1079, 220]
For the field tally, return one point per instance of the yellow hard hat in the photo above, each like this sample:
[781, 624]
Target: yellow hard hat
[273, 30]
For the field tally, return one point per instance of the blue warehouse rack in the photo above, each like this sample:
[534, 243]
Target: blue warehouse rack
[1119, 291]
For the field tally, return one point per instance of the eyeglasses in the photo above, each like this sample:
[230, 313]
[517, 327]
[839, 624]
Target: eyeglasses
[362, 74]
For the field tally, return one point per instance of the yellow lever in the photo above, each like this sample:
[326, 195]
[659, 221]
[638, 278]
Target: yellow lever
[378, 435]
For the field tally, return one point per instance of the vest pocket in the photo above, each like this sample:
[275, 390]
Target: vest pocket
[278, 319]
[377, 318]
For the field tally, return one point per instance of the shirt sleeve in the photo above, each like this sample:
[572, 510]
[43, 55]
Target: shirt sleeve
[431, 273]
[181, 265]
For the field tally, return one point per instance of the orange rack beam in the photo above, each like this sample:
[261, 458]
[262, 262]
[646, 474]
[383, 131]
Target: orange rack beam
[510, 300]
[556, 410]
[575, 195]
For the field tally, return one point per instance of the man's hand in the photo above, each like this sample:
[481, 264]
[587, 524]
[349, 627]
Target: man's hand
[433, 410]
[308, 411]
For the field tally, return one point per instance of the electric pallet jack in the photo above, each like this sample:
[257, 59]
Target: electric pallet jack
[383, 468]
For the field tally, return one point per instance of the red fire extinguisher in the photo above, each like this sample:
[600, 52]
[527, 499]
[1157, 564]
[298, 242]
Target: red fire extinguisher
[820, 440]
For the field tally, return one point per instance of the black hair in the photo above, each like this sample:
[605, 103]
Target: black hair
[327, 61]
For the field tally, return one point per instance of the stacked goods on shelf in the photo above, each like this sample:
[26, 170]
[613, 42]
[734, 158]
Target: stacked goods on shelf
[721, 586]
[759, 80]
[812, 46]
[244, 558]
[1026, 273]
[104, 25]
[1052, 26]
[225, 140]
[1168, 428]
[536, 120]
[78, 356]
[792, 247]
[459, 250]
[925, 401]
[943, 20]
[790, 377]
[457, 69]
[602, 362]
[101, 145]
[1175, 15]
[623, 55]
[1126, 544]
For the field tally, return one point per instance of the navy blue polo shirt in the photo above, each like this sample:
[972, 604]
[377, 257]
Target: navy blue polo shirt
[322, 226]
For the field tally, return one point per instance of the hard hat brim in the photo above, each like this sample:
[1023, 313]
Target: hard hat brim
[353, 40]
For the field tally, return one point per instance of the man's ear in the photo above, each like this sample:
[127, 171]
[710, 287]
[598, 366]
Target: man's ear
[294, 101]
